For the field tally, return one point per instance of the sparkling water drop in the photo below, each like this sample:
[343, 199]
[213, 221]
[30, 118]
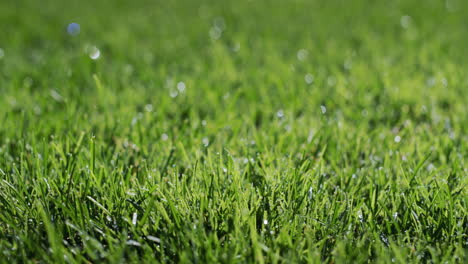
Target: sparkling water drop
[154, 239]
[405, 21]
[148, 107]
[73, 29]
[323, 109]
[215, 33]
[94, 53]
[181, 87]
[302, 54]
[280, 113]
[430, 167]
[173, 93]
[309, 78]
[134, 218]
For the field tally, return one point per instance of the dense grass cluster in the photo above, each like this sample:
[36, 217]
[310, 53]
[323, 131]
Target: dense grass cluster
[233, 131]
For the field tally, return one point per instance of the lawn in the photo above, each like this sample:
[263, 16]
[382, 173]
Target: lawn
[299, 131]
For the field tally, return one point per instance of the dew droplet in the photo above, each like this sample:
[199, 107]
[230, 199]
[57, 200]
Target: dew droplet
[154, 239]
[280, 113]
[430, 167]
[173, 93]
[133, 243]
[215, 33]
[405, 21]
[181, 87]
[302, 54]
[309, 78]
[360, 217]
[134, 218]
[148, 107]
[331, 81]
[73, 29]
[94, 53]
[397, 139]
[323, 109]
[56, 96]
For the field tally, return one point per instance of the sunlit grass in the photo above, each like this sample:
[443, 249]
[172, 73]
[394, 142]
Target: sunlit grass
[233, 131]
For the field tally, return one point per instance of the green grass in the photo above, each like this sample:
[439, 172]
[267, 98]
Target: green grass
[234, 131]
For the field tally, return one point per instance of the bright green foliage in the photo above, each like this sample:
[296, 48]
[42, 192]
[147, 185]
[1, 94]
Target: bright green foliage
[234, 131]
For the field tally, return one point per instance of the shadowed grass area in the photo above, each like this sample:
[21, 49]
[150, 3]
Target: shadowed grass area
[233, 131]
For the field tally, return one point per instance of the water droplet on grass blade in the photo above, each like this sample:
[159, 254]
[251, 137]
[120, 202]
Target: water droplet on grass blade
[133, 243]
[405, 21]
[154, 239]
[94, 53]
[173, 93]
[149, 107]
[430, 167]
[431, 81]
[56, 96]
[323, 109]
[309, 78]
[302, 54]
[181, 87]
[347, 65]
[134, 218]
[397, 139]
[280, 113]
[360, 217]
[215, 33]
[310, 193]
[73, 29]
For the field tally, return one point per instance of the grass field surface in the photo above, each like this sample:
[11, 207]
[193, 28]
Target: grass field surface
[233, 131]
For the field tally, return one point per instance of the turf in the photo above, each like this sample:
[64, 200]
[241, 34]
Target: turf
[233, 131]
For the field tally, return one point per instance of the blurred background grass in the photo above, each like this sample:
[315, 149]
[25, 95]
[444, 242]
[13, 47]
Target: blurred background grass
[369, 63]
